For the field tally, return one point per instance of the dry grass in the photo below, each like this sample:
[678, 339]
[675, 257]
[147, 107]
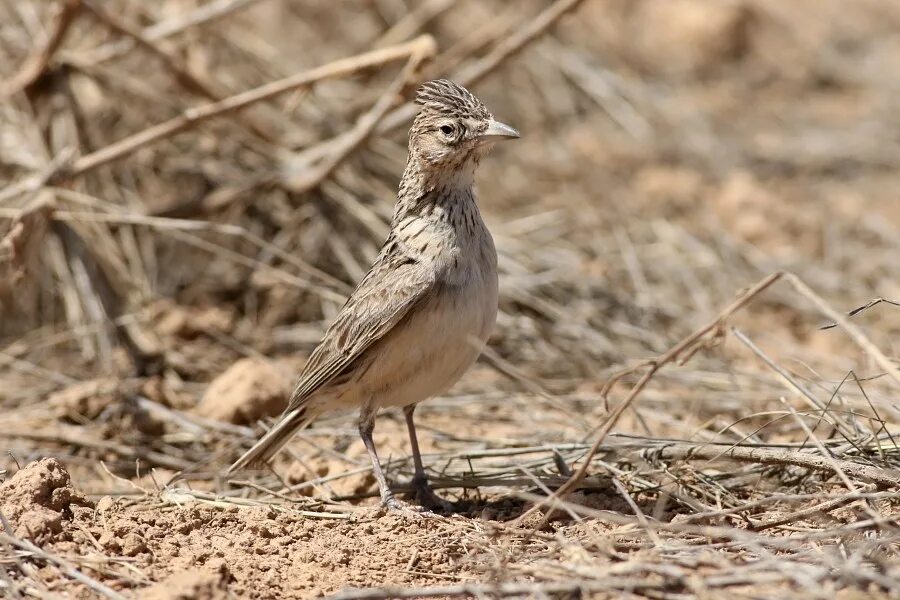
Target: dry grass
[676, 403]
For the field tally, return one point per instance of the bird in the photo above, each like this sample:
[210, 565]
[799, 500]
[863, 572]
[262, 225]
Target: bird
[423, 312]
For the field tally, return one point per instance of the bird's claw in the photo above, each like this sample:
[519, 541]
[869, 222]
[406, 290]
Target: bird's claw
[398, 507]
[424, 495]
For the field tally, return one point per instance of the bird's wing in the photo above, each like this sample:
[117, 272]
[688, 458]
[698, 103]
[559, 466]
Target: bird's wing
[393, 285]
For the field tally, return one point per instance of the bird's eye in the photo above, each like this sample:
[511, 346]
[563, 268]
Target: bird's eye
[447, 129]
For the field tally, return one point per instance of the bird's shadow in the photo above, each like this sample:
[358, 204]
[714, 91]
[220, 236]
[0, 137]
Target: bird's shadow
[509, 507]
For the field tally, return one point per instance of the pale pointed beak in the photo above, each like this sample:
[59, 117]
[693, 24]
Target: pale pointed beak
[497, 131]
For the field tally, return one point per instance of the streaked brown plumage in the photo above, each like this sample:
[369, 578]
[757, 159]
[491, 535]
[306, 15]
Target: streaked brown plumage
[420, 316]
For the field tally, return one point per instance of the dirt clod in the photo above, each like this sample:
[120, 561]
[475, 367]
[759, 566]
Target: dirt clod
[251, 388]
[38, 499]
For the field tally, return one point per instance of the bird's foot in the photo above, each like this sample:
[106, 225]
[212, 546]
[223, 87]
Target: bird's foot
[424, 496]
[399, 507]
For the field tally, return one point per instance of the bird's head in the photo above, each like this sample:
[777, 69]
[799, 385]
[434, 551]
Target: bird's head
[453, 128]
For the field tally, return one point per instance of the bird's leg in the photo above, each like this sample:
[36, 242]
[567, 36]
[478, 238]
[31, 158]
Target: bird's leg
[366, 427]
[424, 494]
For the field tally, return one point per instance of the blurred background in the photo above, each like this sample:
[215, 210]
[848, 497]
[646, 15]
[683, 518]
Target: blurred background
[673, 153]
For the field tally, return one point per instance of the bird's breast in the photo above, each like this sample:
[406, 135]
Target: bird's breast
[431, 348]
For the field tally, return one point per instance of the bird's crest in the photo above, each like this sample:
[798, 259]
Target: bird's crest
[452, 100]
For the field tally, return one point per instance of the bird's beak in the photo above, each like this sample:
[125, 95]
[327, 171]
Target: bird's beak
[497, 131]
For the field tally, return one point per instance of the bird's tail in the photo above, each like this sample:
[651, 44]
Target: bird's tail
[269, 444]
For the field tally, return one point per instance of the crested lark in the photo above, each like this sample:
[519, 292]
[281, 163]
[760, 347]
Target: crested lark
[420, 316]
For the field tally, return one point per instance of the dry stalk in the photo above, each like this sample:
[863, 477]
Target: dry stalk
[82, 440]
[62, 565]
[38, 63]
[507, 48]
[422, 45]
[685, 345]
[861, 309]
[772, 456]
[793, 385]
[202, 15]
[852, 330]
[184, 75]
[336, 150]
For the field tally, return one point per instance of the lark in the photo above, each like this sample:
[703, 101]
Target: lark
[422, 314]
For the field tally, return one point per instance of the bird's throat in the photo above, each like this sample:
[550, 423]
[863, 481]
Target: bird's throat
[440, 194]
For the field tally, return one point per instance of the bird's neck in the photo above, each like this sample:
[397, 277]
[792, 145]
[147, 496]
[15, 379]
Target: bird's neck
[442, 195]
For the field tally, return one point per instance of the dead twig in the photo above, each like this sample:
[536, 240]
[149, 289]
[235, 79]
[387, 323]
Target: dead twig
[202, 15]
[418, 16]
[63, 566]
[863, 308]
[685, 345]
[822, 507]
[774, 456]
[789, 498]
[38, 63]
[342, 146]
[852, 330]
[79, 440]
[478, 70]
[194, 116]
[183, 74]
[792, 384]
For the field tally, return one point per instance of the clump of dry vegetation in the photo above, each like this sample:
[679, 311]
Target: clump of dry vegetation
[676, 403]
